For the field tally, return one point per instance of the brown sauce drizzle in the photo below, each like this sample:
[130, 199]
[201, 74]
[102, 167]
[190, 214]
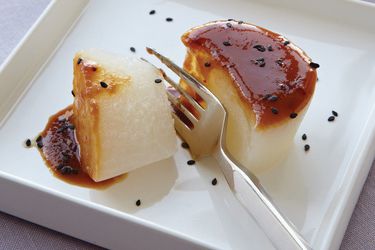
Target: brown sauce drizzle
[262, 64]
[60, 150]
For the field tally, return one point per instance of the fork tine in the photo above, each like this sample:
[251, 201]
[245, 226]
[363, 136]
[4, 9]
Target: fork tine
[181, 127]
[185, 94]
[176, 103]
[201, 90]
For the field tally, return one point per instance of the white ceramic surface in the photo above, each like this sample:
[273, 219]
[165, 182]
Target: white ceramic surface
[316, 190]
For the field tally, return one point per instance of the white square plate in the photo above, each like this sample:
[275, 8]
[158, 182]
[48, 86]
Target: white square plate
[180, 208]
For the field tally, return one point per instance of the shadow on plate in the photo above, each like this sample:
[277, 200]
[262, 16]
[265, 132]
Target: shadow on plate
[193, 184]
[287, 185]
[238, 226]
[148, 184]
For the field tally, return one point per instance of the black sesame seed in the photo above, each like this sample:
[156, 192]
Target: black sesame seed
[259, 47]
[138, 203]
[267, 96]
[331, 118]
[132, 49]
[270, 48]
[240, 22]
[152, 12]
[190, 162]
[229, 25]
[64, 127]
[304, 137]
[59, 167]
[286, 42]
[158, 80]
[274, 111]
[230, 19]
[260, 62]
[79, 60]
[169, 19]
[226, 43]
[73, 94]
[65, 170]
[280, 62]
[307, 147]
[39, 142]
[293, 115]
[93, 68]
[273, 98]
[335, 113]
[28, 143]
[207, 64]
[282, 86]
[61, 129]
[70, 126]
[103, 84]
[314, 65]
[214, 181]
[185, 145]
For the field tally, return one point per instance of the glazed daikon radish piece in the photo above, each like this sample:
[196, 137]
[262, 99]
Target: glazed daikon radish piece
[264, 81]
[121, 113]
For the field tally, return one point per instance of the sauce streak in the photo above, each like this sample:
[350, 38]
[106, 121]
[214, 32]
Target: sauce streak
[60, 149]
[260, 62]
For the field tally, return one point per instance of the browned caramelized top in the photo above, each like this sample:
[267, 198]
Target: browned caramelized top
[273, 76]
[60, 150]
[95, 78]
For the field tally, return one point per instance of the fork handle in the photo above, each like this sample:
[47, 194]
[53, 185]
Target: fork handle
[254, 199]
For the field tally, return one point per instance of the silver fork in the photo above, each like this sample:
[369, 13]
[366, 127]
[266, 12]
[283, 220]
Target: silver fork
[207, 137]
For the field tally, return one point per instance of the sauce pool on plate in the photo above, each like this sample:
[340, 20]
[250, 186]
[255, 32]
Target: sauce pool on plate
[59, 148]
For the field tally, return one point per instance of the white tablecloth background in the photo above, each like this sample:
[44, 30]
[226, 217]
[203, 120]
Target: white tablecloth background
[16, 17]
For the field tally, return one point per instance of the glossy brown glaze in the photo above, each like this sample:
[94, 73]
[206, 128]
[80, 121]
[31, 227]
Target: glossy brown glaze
[92, 74]
[272, 75]
[61, 149]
